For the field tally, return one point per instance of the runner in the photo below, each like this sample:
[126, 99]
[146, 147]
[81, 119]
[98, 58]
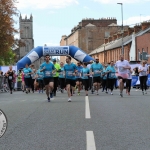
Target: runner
[111, 77]
[78, 77]
[39, 79]
[33, 75]
[96, 69]
[85, 77]
[122, 66]
[104, 79]
[70, 70]
[128, 81]
[27, 78]
[23, 81]
[55, 76]
[10, 74]
[90, 77]
[62, 77]
[48, 69]
[143, 77]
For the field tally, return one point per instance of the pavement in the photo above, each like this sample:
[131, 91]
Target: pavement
[96, 122]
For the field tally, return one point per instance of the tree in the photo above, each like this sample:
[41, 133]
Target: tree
[7, 30]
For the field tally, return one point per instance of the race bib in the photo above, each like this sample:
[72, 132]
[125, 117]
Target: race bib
[143, 73]
[26, 74]
[96, 72]
[47, 73]
[78, 74]
[40, 76]
[112, 75]
[10, 77]
[85, 75]
[69, 73]
[121, 69]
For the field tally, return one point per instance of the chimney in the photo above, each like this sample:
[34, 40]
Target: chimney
[119, 35]
[125, 33]
[130, 31]
[110, 39]
[114, 37]
[145, 25]
[137, 28]
[106, 40]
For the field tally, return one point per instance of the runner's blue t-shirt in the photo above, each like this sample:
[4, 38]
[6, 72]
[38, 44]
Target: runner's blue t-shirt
[96, 67]
[40, 75]
[85, 71]
[61, 74]
[48, 69]
[27, 72]
[111, 74]
[70, 69]
[78, 74]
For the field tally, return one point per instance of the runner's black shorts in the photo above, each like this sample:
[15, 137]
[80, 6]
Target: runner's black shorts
[78, 79]
[97, 79]
[124, 80]
[71, 82]
[48, 80]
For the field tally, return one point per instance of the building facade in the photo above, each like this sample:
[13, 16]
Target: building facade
[90, 33]
[135, 40]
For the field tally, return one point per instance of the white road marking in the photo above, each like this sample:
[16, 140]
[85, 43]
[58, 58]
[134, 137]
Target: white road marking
[87, 108]
[90, 141]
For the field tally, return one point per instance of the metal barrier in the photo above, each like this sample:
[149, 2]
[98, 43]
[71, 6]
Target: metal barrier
[3, 84]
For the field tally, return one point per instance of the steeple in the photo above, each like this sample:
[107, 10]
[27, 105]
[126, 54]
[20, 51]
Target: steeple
[31, 17]
[20, 18]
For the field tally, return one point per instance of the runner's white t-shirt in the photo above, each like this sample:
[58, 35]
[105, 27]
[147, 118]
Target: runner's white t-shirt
[120, 64]
[144, 72]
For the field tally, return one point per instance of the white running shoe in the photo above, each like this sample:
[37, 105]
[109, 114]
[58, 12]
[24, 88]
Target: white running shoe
[69, 99]
[111, 93]
[145, 92]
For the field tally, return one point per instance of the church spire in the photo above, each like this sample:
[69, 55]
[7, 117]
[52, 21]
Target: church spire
[31, 17]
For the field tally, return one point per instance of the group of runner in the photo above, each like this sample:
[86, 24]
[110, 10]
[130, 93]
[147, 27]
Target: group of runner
[71, 76]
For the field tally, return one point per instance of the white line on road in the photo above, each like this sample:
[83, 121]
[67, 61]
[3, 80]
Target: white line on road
[87, 108]
[90, 141]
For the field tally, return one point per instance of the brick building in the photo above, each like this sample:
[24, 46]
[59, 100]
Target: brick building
[90, 33]
[134, 40]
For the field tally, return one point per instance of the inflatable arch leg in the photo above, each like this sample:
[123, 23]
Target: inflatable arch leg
[40, 51]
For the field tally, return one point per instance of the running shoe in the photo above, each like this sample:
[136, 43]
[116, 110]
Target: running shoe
[48, 99]
[51, 95]
[111, 93]
[78, 93]
[69, 99]
[121, 94]
[145, 92]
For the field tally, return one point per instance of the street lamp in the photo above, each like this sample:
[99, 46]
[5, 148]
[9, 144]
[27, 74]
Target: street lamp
[122, 26]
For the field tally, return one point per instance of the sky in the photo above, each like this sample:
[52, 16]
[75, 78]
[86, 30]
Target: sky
[54, 18]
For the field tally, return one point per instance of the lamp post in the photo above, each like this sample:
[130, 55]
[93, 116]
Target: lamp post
[122, 26]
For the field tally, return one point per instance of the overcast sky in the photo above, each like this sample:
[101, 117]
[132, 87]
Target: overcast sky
[54, 18]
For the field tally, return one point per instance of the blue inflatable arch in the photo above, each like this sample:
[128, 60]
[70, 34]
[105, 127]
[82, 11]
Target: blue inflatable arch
[40, 51]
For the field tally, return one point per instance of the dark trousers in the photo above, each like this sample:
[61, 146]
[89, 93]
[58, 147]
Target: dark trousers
[110, 84]
[104, 84]
[32, 84]
[10, 84]
[41, 84]
[143, 80]
[128, 84]
[86, 84]
[55, 84]
[62, 83]
[90, 82]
